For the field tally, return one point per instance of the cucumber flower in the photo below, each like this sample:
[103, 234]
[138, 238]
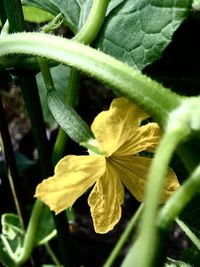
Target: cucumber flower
[120, 138]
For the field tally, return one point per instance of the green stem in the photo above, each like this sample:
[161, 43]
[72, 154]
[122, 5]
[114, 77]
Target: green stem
[33, 105]
[71, 99]
[3, 16]
[11, 167]
[29, 241]
[115, 252]
[16, 18]
[179, 200]
[195, 240]
[144, 251]
[52, 254]
[158, 101]
[46, 74]
[31, 97]
[89, 31]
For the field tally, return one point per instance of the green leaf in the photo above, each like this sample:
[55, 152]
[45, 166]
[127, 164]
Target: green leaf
[75, 12]
[137, 32]
[12, 233]
[33, 14]
[11, 226]
[5, 259]
[60, 75]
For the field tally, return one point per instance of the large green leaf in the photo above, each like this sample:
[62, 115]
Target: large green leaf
[137, 32]
[75, 12]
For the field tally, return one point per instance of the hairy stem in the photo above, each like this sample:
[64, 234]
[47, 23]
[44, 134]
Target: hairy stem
[179, 200]
[150, 95]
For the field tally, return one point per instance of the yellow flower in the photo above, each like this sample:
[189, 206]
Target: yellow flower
[120, 137]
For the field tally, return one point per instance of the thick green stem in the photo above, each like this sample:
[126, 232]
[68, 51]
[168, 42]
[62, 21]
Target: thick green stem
[71, 99]
[144, 251]
[46, 74]
[179, 200]
[15, 15]
[89, 31]
[29, 241]
[150, 95]
[115, 252]
[31, 98]
[11, 167]
[3, 16]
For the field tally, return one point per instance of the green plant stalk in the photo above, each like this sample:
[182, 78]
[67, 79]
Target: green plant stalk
[123, 238]
[143, 252]
[31, 98]
[179, 200]
[11, 167]
[195, 240]
[14, 14]
[71, 99]
[33, 106]
[2, 12]
[148, 94]
[89, 31]
[46, 74]
[52, 254]
[29, 241]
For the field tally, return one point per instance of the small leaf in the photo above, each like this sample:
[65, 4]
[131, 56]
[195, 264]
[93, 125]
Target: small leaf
[11, 226]
[137, 32]
[12, 233]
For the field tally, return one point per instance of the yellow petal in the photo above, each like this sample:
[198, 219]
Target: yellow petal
[112, 128]
[134, 171]
[146, 137]
[73, 176]
[105, 201]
